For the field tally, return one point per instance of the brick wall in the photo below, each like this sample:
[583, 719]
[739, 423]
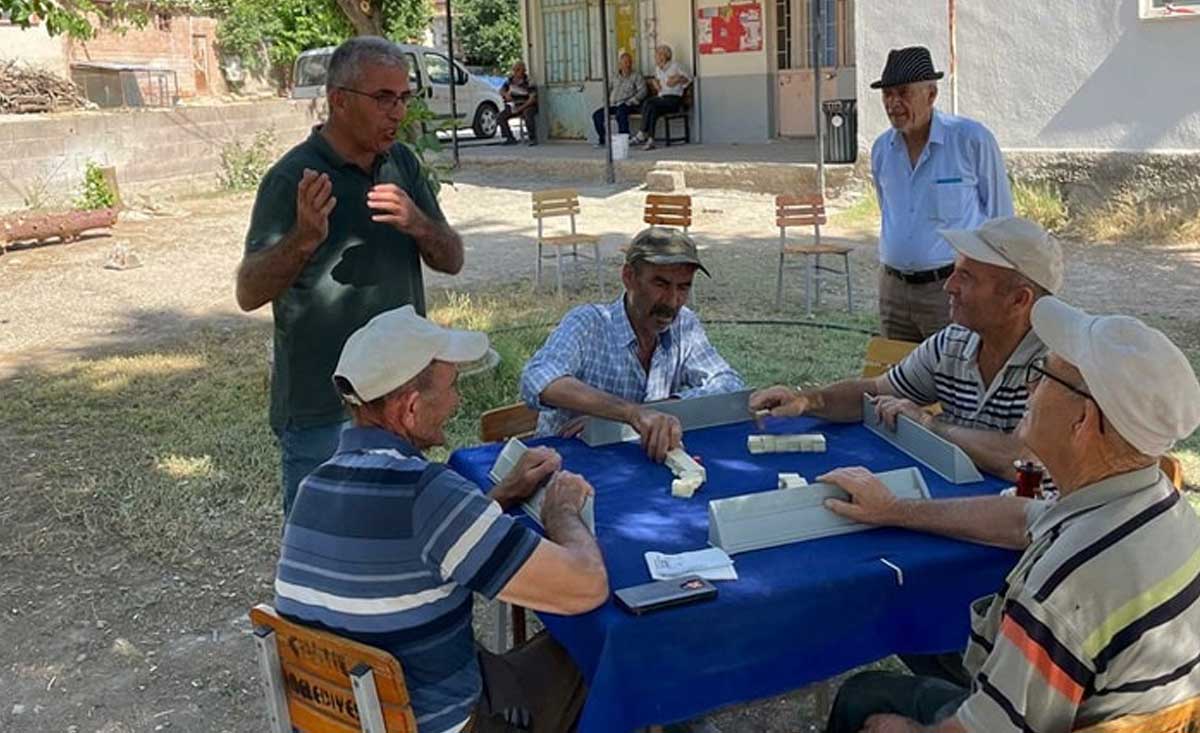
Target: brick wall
[185, 44]
[43, 156]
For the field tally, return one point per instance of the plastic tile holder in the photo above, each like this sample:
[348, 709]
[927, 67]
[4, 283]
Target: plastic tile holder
[940, 455]
[772, 518]
[507, 461]
[693, 413]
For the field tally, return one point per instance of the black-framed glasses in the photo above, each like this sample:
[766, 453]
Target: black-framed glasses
[1037, 369]
[386, 101]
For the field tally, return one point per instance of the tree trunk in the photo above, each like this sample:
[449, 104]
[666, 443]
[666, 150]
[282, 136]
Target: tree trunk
[365, 15]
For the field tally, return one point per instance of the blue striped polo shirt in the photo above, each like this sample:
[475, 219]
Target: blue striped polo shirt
[386, 548]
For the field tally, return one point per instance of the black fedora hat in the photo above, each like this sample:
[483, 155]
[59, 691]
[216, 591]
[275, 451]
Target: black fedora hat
[907, 65]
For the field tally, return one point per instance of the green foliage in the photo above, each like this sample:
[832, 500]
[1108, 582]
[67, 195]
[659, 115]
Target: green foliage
[419, 134]
[1040, 201]
[406, 20]
[96, 193]
[244, 164]
[74, 18]
[489, 30]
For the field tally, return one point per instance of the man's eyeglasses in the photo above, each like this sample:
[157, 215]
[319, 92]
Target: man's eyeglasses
[1037, 369]
[386, 101]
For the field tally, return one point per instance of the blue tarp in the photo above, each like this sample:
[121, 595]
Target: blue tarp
[797, 614]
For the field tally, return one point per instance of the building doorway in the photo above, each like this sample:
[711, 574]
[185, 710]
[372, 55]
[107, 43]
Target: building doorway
[792, 62]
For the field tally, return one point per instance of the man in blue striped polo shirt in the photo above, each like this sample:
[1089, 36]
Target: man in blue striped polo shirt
[974, 367]
[1098, 619]
[387, 548]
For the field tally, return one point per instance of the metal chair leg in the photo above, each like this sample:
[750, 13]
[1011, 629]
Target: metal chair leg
[817, 282]
[537, 270]
[808, 285]
[599, 275]
[558, 261]
[779, 275]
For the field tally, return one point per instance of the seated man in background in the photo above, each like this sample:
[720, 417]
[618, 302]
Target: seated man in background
[628, 91]
[606, 360]
[1099, 618]
[520, 94]
[671, 81]
[974, 367]
[386, 548]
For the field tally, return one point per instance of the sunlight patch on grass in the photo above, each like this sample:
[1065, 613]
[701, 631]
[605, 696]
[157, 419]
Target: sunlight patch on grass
[185, 468]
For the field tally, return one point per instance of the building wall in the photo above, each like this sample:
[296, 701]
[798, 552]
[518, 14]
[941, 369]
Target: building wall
[165, 41]
[33, 46]
[1071, 75]
[735, 90]
[44, 155]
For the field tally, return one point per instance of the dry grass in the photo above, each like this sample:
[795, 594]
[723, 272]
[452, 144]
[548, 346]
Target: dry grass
[1126, 219]
[1041, 202]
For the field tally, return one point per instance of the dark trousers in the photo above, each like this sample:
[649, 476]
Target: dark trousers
[532, 687]
[622, 111]
[926, 700]
[530, 117]
[655, 106]
[948, 667]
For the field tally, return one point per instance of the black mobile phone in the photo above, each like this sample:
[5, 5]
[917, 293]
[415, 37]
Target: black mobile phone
[639, 599]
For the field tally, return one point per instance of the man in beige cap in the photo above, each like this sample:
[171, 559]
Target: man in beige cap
[974, 367]
[1098, 619]
[386, 548]
[607, 360]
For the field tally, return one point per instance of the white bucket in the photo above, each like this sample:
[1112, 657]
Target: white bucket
[620, 145]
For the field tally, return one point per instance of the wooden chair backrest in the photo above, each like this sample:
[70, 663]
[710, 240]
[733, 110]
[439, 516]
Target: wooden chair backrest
[555, 202]
[510, 421]
[1172, 467]
[668, 210]
[882, 354]
[799, 211]
[316, 674]
[1182, 717]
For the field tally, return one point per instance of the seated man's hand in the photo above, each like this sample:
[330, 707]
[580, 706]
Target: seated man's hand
[661, 433]
[870, 501]
[574, 427]
[889, 410]
[888, 723]
[567, 493]
[781, 401]
[531, 470]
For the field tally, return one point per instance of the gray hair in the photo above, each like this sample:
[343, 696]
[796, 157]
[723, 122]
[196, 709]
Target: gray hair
[347, 62]
[666, 50]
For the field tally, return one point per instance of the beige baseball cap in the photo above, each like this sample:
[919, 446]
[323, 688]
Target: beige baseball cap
[396, 346]
[1013, 243]
[1143, 383]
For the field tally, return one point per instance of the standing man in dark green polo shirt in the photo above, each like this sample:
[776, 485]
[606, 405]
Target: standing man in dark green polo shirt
[340, 228]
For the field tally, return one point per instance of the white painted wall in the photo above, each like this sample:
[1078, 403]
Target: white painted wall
[735, 89]
[34, 46]
[1072, 75]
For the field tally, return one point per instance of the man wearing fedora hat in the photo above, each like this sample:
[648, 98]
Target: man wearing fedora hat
[607, 360]
[1098, 618]
[931, 171]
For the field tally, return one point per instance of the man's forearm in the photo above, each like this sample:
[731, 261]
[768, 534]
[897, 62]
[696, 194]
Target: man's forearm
[263, 275]
[440, 246]
[840, 401]
[989, 520]
[565, 527]
[991, 450]
[570, 393]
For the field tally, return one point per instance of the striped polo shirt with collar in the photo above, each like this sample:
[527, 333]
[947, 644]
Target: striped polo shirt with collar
[1100, 616]
[385, 548]
[945, 369]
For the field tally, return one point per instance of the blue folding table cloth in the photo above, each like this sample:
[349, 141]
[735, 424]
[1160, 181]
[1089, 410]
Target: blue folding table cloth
[797, 614]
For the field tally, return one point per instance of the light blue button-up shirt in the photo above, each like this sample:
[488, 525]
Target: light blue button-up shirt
[596, 345]
[959, 182]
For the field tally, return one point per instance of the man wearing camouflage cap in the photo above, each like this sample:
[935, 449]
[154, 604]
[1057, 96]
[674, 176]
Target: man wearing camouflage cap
[607, 360]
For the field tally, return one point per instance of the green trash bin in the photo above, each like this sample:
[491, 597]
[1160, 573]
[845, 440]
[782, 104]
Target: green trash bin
[841, 130]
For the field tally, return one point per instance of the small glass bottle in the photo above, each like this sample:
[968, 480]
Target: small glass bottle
[1029, 479]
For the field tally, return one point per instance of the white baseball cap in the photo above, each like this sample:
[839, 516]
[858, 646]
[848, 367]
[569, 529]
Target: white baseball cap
[396, 346]
[1143, 383]
[1013, 243]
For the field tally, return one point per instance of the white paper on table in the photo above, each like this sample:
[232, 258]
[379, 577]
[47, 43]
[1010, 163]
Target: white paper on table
[711, 564]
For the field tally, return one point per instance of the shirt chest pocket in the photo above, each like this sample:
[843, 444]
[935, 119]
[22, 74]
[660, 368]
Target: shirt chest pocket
[953, 202]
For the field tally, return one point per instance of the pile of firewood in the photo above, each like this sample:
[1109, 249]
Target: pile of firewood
[24, 89]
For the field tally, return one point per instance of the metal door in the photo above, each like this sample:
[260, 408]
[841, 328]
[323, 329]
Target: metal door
[794, 92]
[200, 63]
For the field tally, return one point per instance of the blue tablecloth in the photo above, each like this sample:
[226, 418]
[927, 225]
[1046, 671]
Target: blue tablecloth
[797, 614]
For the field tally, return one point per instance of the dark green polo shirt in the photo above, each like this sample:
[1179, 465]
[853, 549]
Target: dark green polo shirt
[362, 269]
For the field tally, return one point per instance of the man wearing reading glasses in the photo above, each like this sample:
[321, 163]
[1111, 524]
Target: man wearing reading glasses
[340, 228]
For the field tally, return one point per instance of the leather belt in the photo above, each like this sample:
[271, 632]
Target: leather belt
[921, 277]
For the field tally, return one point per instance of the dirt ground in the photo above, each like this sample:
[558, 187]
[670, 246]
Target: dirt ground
[98, 639]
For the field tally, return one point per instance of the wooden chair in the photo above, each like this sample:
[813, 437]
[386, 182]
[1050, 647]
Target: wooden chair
[808, 211]
[882, 354]
[668, 210]
[1182, 717]
[322, 683]
[502, 423]
[559, 203]
[1173, 468]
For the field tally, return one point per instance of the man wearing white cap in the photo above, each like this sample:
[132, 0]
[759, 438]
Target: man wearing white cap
[975, 367]
[387, 548]
[1098, 619]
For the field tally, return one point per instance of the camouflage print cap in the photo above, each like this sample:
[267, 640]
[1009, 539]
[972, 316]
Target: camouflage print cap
[663, 246]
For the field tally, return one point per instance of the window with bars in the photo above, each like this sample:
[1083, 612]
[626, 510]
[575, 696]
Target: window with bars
[793, 23]
[565, 28]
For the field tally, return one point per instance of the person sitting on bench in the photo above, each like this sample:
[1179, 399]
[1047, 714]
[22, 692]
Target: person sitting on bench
[625, 98]
[672, 80]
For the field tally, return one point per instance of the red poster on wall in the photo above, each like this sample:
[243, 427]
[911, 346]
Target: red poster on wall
[733, 28]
